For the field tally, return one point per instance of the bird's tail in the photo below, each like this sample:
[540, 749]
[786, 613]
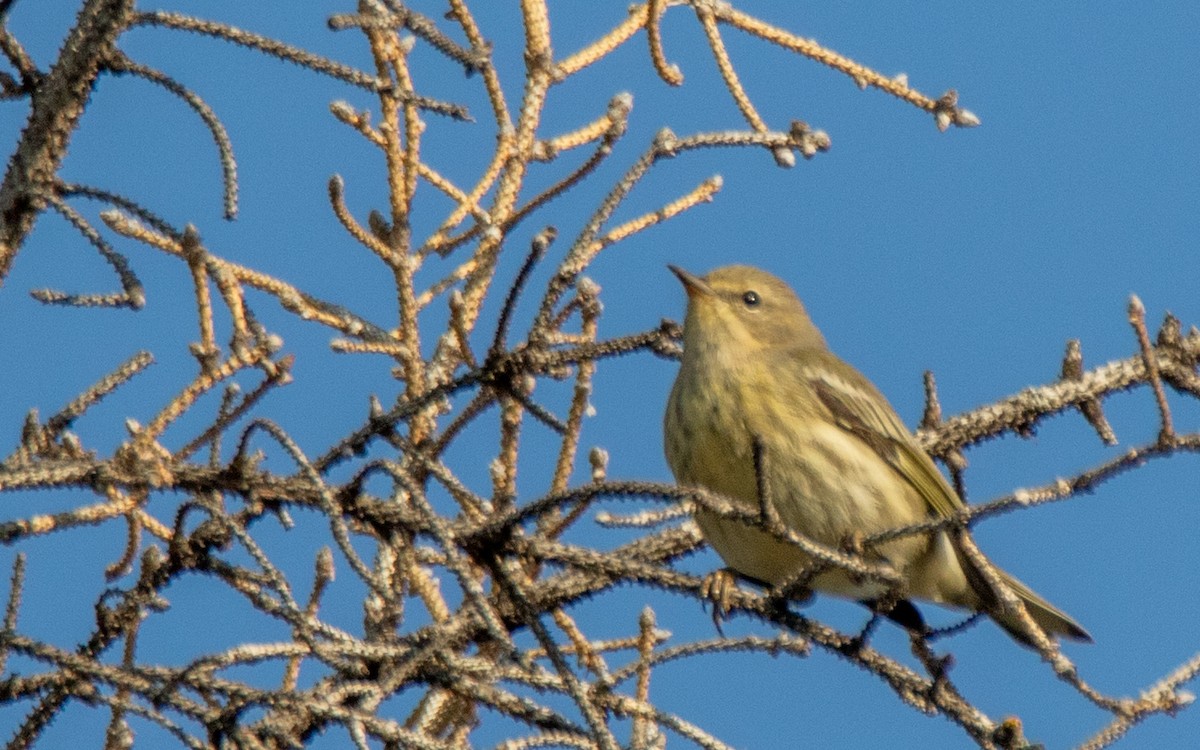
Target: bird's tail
[1049, 618]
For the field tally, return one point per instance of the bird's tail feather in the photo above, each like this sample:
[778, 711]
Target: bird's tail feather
[1049, 618]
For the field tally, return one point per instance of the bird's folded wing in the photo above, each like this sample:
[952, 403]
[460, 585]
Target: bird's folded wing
[857, 407]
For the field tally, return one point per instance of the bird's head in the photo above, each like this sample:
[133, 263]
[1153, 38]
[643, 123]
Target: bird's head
[744, 309]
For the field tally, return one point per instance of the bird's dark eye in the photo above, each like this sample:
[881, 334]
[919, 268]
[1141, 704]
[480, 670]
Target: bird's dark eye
[751, 299]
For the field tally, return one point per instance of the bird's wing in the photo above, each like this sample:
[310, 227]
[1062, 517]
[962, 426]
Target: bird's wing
[857, 407]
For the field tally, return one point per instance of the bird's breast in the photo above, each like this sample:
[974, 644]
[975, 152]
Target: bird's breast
[705, 434]
[824, 482]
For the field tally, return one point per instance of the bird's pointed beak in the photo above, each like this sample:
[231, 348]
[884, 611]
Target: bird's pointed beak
[692, 283]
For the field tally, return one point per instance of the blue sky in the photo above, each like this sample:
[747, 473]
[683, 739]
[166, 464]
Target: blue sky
[973, 253]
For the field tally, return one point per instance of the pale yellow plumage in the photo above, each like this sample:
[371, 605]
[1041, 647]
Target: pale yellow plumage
[839, 462]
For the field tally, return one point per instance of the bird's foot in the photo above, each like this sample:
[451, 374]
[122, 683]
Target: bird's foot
[853, 544]
[717, 587]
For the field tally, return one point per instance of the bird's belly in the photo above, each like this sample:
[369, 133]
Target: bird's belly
[825, 484]
[761, 557]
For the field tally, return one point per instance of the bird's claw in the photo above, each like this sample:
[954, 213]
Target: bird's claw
[853, 543]
[717, 587]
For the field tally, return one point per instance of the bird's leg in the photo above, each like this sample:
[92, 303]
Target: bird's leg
[717, 587]
[852, 544]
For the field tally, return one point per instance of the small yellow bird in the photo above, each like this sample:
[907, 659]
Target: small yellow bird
[757, 376]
